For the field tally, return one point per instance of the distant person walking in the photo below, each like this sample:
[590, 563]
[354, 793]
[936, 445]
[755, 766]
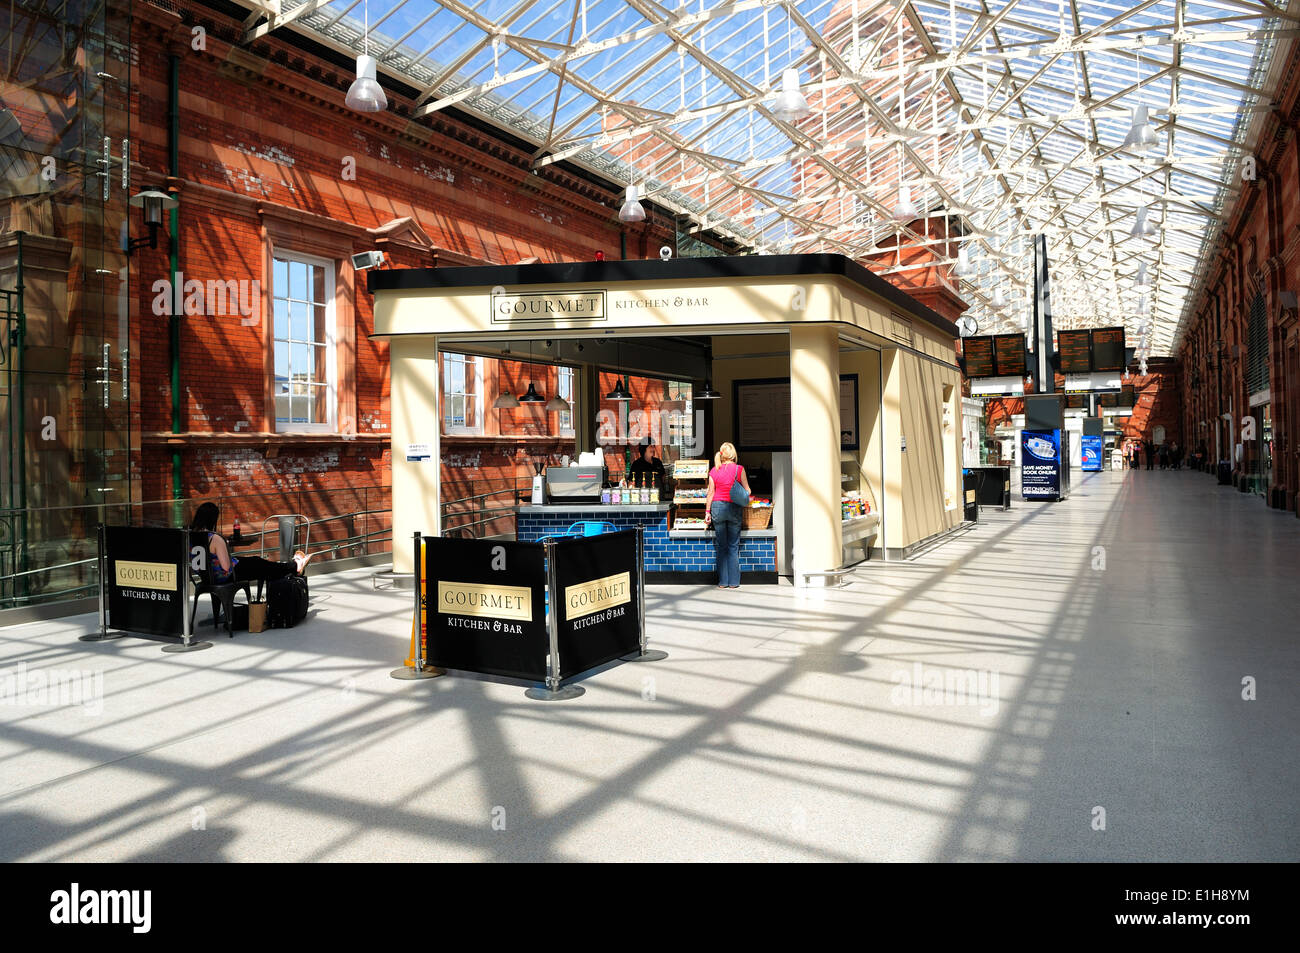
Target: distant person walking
[1150, 451]
[724, 515]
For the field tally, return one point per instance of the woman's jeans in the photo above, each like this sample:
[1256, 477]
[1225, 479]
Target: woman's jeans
[726, 541]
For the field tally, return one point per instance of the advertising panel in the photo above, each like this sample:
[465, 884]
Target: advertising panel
[145, 579]
[1040, 464]
[1090, 454]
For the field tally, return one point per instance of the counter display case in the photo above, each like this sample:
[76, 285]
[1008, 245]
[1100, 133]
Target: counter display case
[859, 518]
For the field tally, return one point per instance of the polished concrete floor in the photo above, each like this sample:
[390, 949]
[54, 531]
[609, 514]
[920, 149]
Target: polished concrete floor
[1060, 682]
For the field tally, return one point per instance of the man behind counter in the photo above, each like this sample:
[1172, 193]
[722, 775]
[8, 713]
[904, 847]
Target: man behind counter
[646, 463]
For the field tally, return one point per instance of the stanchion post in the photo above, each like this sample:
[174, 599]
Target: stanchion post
[645, 655]
[417, 669]
[101, 566]
[186, 593]
[553, 692]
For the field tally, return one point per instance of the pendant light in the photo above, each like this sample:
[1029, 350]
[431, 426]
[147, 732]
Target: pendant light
[964, 268]
[620, 391]
[632, 210]
[1141, 134]
[790, 104]
[558, 403]
[1142, 228]
[505, 401]
[365, 95]
[905, 210]
[999, 300]
[532, 397]
[1142, 281]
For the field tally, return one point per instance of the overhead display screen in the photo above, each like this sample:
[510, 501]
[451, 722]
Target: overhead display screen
[1009, 351]
[1108, 349]
[1076, 401]
[1127, 396]
[1109, 400]
[979, 356]
[1075, 348]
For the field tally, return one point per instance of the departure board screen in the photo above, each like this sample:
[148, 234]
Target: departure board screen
[1075, 348]
[1127, 396]
[1109, 400]
[979, 356]
[1076, 401]
[1108, 349]
[1009, 349]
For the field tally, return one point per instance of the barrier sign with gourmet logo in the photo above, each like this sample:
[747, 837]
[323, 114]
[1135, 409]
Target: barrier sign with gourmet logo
[146, 574]
[508, 308]
[599, 618]
[489, 611]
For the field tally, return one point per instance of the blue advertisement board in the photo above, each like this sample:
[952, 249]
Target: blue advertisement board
[1040, 464]
[1090, 451]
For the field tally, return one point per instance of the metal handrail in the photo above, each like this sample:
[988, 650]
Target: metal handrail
[480, 496]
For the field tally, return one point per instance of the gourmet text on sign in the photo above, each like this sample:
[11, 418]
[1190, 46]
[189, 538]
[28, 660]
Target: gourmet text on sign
[146, 575]
[580, 305]
[495, 602]
[596, 594]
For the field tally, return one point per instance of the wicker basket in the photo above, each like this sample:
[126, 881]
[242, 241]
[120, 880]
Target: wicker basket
[757, 517]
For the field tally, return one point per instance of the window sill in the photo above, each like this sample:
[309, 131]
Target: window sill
[267, 441]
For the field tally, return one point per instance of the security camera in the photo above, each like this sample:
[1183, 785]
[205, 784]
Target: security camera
[367, 259]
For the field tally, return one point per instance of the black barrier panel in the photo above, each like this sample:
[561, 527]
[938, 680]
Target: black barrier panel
[146, 569]
[596, 580]
[486, 606]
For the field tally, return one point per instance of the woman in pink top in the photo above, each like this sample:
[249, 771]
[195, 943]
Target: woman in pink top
[724, 515]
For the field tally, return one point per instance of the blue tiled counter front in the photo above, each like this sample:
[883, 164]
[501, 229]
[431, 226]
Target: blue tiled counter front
[676, 558]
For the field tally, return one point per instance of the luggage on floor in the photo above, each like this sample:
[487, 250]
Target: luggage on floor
[286, 602]
[257, 617]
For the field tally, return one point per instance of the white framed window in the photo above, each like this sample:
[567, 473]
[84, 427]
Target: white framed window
[564, 388]
[305, 378]
[462, 394]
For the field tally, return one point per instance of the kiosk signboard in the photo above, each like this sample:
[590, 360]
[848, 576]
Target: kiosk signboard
[1040, 464]
[598, 600]
[486, 606]
[146, 573]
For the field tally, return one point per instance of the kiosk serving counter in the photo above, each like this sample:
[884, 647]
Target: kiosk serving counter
[862, 380]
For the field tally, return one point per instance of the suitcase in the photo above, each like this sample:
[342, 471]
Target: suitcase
[286, 602]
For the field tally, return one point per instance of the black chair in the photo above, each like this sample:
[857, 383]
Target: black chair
[222, 593]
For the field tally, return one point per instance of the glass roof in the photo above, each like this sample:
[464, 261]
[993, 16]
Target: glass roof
[998, 120]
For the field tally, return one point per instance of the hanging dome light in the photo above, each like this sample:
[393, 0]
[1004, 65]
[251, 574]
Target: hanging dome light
[707, 394]
[1141, 134]
[964, 268]
[558, 403]
[505, 402]
[1142, 228]
[905, 210]
[532, 397]
[619, 392]
[1142, 281]
[790, 104]
[632, 210]
[999, 300]
[365, 95]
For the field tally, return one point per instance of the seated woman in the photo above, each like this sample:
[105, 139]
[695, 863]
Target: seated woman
[227, 568]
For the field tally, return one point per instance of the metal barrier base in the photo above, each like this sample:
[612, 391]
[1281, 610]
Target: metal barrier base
[406, 674]
[192, 647]
[97, 637]
[649, 655]
[541, 693]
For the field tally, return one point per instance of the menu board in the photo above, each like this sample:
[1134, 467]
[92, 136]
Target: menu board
[1009, 349]
[1108, 349]
[1075, 348]
[979, 356]
[763, 413]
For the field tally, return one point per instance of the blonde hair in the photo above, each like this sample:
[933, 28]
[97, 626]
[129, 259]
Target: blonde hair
[727, 453]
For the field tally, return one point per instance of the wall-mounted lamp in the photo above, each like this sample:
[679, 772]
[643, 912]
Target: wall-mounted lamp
[151, 203]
